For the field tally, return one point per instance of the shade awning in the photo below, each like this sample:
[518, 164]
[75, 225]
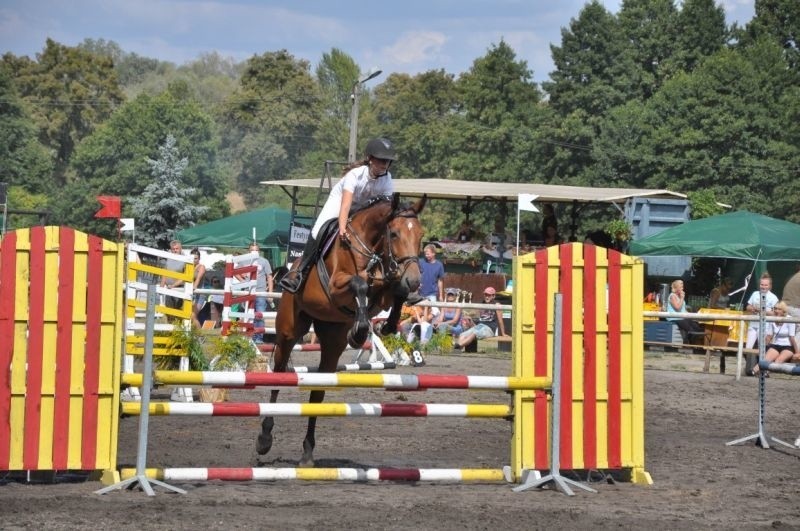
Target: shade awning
[460, 189]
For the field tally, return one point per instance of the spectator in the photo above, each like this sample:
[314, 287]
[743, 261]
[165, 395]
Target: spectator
[691, 331]
[720, 296]
[753, 307]
[449, 318]
[431, 285]
[176, 303]
[199, 282]
[499, 240]
[548, 218]
[551, 236]
[415, 323]
[465, 233]
[780, 340]
[490, 322]
[263, 284]
[216, 300]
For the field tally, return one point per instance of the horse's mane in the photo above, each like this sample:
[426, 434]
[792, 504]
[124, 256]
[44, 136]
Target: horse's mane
[404, 210]
[371, 204]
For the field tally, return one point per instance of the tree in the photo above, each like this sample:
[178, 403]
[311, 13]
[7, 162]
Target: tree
[70, 93]
[593, 69]
[269, 124]
[165, 206]
[720, 128]
[500, 108]
[420, 115]
[113, 160]
[336, 74]
[24, 162]
[701, 32]
[780, 20]
[651, 29]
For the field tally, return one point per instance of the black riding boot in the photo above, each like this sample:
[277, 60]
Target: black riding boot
[293, 280]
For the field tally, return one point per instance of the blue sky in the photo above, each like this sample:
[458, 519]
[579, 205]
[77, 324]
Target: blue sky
[409, 36]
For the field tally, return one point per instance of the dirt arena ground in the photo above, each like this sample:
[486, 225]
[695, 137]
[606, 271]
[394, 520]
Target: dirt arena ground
[699, 482]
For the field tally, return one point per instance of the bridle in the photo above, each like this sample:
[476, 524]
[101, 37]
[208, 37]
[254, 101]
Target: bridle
[381, 261]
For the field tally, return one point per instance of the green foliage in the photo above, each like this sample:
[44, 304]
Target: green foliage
[778, 20]
[592, 69]
[70, 92]
[269, 123]
[114, 159]
[660, 95]
[23, 160]
[191, 342]
[440, 343]
[500, 106]
[232, 352]
[164, 207]
[704, 204]
[619, 230]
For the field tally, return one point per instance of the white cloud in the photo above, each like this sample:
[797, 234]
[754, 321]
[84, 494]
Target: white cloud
[415, 47]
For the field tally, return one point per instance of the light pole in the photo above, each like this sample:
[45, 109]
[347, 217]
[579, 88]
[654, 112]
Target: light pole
[351, 153]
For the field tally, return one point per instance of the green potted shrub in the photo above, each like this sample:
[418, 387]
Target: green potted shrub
[231, 352]
[620, 231]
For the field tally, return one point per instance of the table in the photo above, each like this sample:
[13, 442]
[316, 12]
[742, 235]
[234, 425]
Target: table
[721, 332]
[733, 326]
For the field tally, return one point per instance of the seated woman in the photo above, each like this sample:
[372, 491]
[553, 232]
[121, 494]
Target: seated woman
[465, 232]
[551, 236]
[720, 296]
[449, 319]
[780, 339]
[690, 329]
[414, 322]
[490, 323]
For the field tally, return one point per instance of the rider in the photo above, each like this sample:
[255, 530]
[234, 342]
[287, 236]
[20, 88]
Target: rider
[363, 181]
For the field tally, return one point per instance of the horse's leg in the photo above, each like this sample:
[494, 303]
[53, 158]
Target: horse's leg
[332, 342]
[358, 333]
[390, 324]
[290, 326]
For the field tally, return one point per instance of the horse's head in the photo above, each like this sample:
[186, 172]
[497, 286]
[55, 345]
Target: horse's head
[404, 233]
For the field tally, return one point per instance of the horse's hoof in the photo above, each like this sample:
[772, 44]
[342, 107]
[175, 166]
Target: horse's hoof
[387, 329]
[263, 443]
[356, 340]
[306, 462]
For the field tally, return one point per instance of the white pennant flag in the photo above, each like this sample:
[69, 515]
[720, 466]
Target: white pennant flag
[525, 202]
[126, 224]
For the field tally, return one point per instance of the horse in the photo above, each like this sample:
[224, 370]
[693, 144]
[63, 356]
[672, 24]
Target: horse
[378, 268]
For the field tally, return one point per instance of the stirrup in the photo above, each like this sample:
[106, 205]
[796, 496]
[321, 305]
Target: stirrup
[292, 283]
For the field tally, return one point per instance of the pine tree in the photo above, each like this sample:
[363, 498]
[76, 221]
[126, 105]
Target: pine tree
[165, 205]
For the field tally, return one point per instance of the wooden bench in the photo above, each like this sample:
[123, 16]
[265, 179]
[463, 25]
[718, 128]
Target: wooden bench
[723, 351]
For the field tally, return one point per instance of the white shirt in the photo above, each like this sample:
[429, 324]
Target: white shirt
[364, 188]
[781, 332]
[755, 301]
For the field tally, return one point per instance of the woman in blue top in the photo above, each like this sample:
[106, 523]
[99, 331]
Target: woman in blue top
[690, 330]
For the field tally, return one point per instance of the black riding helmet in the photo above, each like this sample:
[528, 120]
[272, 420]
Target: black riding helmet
[380, 148]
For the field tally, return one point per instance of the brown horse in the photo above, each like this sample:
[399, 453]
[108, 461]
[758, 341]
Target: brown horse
[376, 270]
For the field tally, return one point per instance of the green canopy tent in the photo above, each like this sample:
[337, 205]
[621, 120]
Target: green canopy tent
[751, 239]
[268, 226]
[740, 234]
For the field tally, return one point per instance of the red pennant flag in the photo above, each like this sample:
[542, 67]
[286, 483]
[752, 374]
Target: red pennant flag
[112, 207]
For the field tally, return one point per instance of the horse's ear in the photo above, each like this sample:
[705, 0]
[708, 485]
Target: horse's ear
[421, 203]
[395, 201]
